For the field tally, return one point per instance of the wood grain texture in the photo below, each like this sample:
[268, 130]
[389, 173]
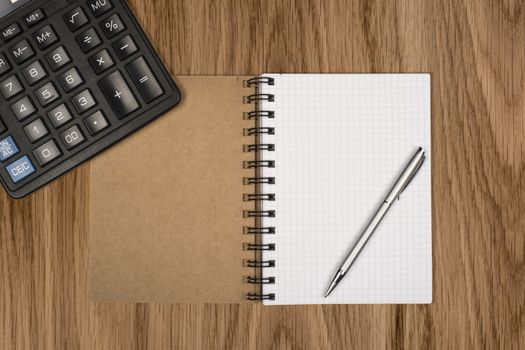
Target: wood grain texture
[475, 51]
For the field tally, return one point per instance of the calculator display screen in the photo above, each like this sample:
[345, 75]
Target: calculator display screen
[8, 6]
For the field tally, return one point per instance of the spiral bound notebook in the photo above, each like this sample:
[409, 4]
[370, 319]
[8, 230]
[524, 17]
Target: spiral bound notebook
[256, 188]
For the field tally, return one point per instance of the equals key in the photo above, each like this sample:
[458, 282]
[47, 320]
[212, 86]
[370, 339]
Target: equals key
[144, 80]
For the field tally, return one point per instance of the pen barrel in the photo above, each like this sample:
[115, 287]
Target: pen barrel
[365, 236]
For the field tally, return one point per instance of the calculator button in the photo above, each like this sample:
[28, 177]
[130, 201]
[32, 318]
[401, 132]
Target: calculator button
[84, 101]
[125, 47]
[96, 123]
[4, 64]
[2, 127]
[47, 153]
[11, 31]
[88, 40]
[8, 148]
[11, 87]
[112, 26]
[99, 7]
[59, 116]
[76, 18]
[36, 130]
[119, 95]
[101, 62]
[71, 80]
[47, 94]
[34, 17]
[23, 109]
[58, 58]
[72, 137]
[20, 169]
[22, 51]
[144, 80]
[45, 37]
[34, 73]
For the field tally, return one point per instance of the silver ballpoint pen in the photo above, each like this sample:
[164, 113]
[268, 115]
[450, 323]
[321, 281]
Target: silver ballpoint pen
[404, 180]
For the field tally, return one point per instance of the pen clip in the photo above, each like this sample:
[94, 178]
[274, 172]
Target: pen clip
[414, 173]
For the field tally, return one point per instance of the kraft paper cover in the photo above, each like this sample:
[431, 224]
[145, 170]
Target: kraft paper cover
[166, 204]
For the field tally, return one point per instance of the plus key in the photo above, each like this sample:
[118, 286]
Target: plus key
[119, 95]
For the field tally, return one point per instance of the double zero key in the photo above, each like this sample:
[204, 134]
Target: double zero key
[119, 95]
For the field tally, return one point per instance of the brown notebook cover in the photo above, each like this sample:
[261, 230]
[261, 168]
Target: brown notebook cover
[166, 205]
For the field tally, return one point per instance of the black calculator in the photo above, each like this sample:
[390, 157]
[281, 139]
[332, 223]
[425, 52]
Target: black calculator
[76, 76]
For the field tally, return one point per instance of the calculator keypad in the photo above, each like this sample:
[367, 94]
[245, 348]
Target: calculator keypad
[68, 78]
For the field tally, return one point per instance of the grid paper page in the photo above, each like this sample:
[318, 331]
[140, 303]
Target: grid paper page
[341, 141]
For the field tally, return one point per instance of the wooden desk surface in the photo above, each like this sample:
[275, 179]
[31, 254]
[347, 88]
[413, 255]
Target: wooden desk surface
[475, 52]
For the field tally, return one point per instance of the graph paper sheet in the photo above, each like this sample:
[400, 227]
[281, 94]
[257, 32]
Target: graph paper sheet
[341, 141]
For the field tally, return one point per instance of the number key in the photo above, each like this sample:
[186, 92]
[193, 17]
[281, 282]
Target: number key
[23, 108]
[47, 94]
[72, 137]
[70, 80]
[58, 58]
[84, 101]
[47, 152]
[36, 130]
[59, 116]
[11, 87]
[34, 73]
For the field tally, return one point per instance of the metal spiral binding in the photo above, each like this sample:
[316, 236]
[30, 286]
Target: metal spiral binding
[260, 280]
[257, 213]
